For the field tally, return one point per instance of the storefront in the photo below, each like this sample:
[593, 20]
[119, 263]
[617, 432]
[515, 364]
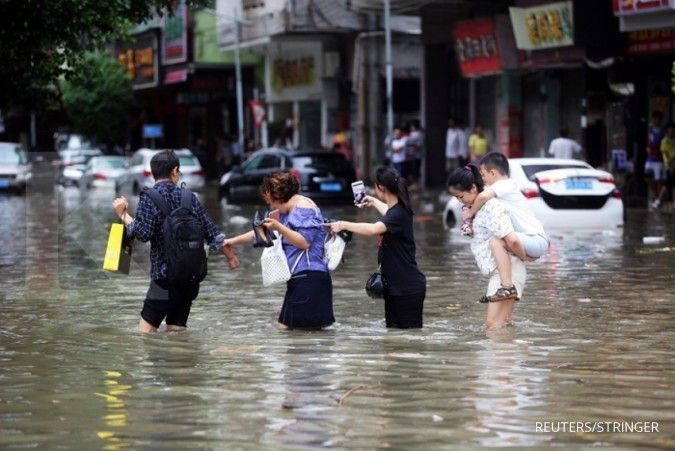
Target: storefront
[297, 97]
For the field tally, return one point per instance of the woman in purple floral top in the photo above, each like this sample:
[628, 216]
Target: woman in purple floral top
[308, 303]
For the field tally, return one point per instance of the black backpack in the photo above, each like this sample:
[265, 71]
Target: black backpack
[183, 239]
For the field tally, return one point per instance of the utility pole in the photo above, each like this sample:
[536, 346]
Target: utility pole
[237, 70]
[389, 71]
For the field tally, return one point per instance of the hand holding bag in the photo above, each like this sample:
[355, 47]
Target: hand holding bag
[274, 265]
[376, 286]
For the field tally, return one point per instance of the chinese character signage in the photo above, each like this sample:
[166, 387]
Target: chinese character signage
[543, 27]
[627, 7]
[294, 71]
[139, 60]
[174, 35]
[651, 41]
[476, 47]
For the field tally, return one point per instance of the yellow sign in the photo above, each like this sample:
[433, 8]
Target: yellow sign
[543, 27]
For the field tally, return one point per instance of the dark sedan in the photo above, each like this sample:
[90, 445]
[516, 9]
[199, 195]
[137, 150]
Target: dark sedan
[323, 175]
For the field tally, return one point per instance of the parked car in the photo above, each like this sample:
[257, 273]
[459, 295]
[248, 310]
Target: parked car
[322, 175]
[139, 176]
[16, 171]
[561, 194]
[73, 163]
[103, 171]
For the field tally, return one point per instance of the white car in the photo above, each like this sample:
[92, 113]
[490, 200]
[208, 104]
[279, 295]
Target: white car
[139, 175]
[73, 163]
[103, 171]
[16, 171]
[561, 194]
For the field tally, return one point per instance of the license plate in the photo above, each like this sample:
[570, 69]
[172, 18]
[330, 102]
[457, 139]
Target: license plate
[578, 184]
[4, 183]
[331, 187]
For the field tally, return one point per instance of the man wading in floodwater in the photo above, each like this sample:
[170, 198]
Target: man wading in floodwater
[173, 287]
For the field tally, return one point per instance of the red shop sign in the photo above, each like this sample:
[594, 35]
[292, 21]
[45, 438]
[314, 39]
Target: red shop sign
[651, 41]
[476, 47]
[626, 7]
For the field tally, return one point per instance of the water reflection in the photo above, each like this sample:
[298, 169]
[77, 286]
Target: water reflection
[592, 341]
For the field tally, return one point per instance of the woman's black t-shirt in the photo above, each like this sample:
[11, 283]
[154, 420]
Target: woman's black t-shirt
[397, 254]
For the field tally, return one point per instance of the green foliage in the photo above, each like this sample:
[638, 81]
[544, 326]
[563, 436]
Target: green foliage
[41, 41]
[98, 97]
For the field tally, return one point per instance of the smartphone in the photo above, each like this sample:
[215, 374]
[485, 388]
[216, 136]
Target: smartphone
[359, 190]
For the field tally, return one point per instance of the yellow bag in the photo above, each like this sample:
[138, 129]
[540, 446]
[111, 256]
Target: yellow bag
[118, 253]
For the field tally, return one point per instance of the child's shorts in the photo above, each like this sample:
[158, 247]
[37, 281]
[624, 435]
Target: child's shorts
[535, 245]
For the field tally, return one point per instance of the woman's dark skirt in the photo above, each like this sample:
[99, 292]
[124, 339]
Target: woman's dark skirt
[309, 301]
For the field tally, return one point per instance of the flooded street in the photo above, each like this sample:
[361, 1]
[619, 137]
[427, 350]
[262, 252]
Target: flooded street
[592, 342]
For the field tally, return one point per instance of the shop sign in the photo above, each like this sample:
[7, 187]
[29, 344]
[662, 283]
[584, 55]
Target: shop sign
[294, 71]
[651, 41]
[543, 27]
[139, 60]
[476, 47]
[153, 131]
[629, 7]
[174, 35]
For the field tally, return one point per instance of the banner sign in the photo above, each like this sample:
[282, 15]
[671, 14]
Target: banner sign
[174, 35]
[476, 47]
[293, 71]
[651, 41]
[629, 7]
[139, 60]
[543, 27]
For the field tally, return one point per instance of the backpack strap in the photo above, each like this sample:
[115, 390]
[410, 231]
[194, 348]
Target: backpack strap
[186, 198]
[158, 200]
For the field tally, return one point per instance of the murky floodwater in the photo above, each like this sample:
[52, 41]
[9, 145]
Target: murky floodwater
[593, 342]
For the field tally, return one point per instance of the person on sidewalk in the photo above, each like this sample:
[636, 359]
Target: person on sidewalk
[563, 146]
[166, 299]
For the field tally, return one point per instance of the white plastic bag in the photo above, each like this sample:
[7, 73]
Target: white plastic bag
[333, 248]
[274, 265]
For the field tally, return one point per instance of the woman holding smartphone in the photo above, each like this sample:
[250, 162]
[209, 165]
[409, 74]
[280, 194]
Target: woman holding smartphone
[308, 303]
[406, 285]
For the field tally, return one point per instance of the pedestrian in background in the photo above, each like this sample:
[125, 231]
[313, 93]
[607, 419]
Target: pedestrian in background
[453, 146]
[654, 162]
[164, 298]
[405, 283]
[478, 144]
[563, 146]
[308, 303]
[414, 155]
[668, 153]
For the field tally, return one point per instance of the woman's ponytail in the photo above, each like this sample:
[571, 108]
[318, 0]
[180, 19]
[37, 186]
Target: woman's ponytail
[390, 178]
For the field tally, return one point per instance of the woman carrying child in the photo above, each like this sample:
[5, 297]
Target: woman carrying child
[492, 220]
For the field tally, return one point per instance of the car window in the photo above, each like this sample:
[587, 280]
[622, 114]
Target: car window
[264, 161]
[532, 169]
[12, 155]
[187, 160]
[136, 160]
[326, 160]
[112, 163]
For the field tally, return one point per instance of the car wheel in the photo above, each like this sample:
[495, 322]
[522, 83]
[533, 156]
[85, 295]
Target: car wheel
[450, 220]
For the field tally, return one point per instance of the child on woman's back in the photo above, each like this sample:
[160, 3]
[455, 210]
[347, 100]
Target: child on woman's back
[528, 241]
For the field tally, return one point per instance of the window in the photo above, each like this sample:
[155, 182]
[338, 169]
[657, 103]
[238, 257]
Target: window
[264, 161]
[531, 170]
